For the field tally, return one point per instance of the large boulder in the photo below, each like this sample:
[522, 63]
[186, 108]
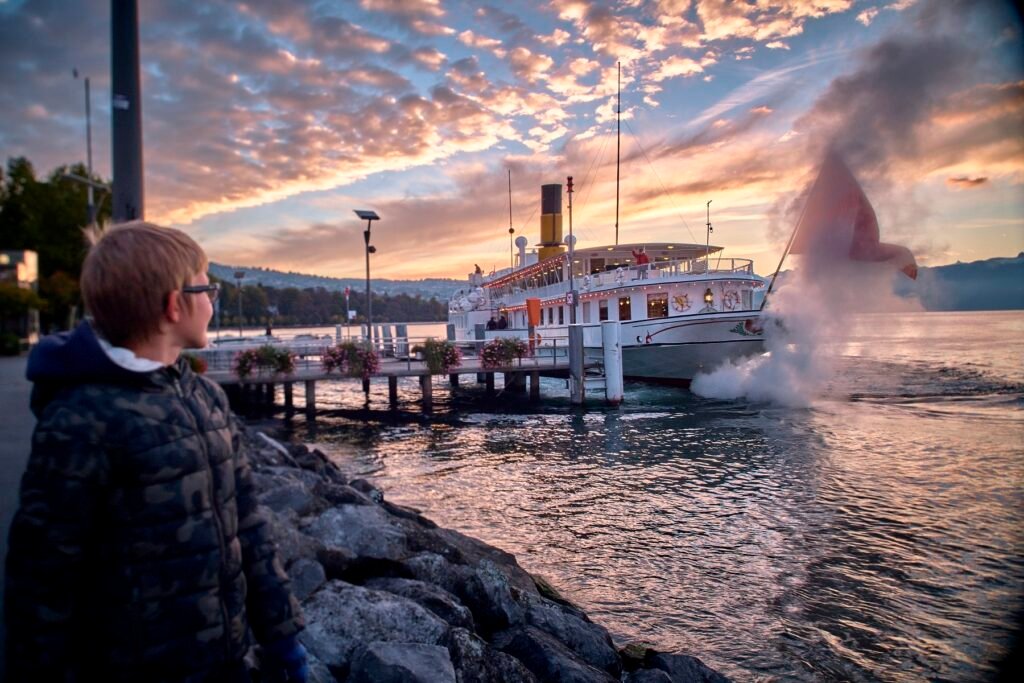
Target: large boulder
[284, 493]
[489, 595]
[434, 598]
[647, 676]
[574, 630]
[684, 668]
[342, 618]
[291, 543]
[306, 576]
[366, 530]
[547, 658]
[477, 662]
[434, 568]
[389, 662]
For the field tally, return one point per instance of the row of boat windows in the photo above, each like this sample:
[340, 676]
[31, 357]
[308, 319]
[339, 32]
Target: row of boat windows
[657, 307]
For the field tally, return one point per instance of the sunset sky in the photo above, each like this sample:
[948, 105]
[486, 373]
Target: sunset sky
[266, 123]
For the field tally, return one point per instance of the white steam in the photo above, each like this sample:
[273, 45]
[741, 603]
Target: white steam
[807, 328]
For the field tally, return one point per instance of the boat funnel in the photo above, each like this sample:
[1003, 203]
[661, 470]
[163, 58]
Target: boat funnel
[550, 222]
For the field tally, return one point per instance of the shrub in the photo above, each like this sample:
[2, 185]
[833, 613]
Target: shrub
[441, 356]
[10, 344]
[266, 357]
[503, 351]
[352, 359]
[197, 363]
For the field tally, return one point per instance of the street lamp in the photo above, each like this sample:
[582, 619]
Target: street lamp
[369, 217]
[88, 147]
[239, 276]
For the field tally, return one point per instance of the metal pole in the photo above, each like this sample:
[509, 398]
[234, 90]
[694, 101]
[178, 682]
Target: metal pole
[369, 302]
[239, 308]
[618, 146]
[126, 111]
[88, 150]
[707, 242]
[572, 253]
[576, 386]
[511, 230]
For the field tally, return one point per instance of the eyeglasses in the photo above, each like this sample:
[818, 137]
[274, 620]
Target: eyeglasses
[211, 290]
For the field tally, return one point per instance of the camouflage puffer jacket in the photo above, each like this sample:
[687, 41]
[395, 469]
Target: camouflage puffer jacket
[137, 552]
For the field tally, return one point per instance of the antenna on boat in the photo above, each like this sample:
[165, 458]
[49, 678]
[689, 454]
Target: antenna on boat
[511, 230]
[707, 243]
[618, 146]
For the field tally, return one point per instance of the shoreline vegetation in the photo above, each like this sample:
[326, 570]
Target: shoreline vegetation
[390, 596]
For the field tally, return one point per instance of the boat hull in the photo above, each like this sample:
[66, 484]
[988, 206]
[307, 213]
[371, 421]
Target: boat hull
[675, 350]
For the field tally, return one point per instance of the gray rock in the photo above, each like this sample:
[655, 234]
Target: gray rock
[369, 489]
[472, 552]
[647, 676]
[385, 662]
[341, 494]
[291, 543]
[306, 576]
[310, 479]
[572, 628]
[434, 568]
[547, 658]
[489, 596]
[341, 618]
[477, 662]
[685, 668]
[434, 598]
[288, 494]
[366, 530]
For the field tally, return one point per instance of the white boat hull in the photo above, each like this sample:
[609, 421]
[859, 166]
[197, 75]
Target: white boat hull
[676, 349]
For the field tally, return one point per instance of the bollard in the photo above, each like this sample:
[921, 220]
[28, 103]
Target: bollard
[611, 331]
[577, 391]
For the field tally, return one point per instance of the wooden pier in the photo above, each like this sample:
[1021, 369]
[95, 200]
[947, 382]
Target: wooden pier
[521, 377]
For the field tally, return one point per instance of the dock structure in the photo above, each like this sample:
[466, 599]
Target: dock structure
[260, 388]
[521, 376]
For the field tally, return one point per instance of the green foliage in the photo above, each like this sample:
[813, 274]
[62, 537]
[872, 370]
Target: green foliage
[266, 357]
[10, 344]
[440, 356]
[15, 301]
[47, 216]
[198, 364]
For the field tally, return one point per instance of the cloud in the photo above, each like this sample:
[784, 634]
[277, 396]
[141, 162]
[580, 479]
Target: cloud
[965, 183]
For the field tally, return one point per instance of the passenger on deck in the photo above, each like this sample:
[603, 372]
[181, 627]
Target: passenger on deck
[642, 261]
[492, 324]
[502, 323]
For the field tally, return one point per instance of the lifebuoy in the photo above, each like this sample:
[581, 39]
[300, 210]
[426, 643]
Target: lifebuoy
[680, 303]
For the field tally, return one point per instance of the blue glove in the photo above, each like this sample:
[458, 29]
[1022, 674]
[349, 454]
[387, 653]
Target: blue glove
[285, 660]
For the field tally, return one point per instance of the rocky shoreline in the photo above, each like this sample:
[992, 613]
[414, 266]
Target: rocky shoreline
[390, 596]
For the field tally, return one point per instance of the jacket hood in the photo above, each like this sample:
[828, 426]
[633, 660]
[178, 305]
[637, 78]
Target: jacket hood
[71, 358]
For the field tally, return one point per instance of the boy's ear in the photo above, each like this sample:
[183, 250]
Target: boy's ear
[172, 309]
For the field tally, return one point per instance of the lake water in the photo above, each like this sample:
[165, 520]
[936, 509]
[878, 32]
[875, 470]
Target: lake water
[877, 534]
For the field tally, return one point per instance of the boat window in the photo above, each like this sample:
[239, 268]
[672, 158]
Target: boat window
[625, 308]
[596, 265]
[561, 315]
[657, 305]
[586, 311]
[748, 299]
[551, 316]
[602, 310]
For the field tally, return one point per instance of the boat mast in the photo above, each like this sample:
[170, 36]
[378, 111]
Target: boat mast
[511, 230]
[618, 146]
[707, 243]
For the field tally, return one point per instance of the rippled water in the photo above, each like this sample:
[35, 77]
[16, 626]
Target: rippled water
[876, 535]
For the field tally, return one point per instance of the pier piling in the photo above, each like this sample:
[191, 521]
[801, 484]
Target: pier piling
[311, 397]
[392, 391]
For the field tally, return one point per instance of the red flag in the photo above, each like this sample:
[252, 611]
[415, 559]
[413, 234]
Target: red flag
[838, 222]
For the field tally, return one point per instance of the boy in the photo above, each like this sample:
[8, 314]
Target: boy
[137, 553]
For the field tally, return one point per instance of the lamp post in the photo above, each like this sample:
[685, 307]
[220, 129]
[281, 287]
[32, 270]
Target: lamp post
[239, 276]
[369, 217]
[572, 254]
[91, 217]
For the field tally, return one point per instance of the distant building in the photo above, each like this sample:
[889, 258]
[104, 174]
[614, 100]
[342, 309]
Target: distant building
[21, 269]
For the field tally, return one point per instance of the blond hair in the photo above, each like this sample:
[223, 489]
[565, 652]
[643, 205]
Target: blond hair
[129, 273]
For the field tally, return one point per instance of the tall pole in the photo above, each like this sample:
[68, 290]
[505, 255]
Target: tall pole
[707, 242]
[126, 111]
[572, 254]
[618, 146]
[239, 274]
[369, 301]
[511, 230]
[90, 214]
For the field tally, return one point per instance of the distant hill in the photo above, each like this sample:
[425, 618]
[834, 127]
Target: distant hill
[989, 285]
[430, 288]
